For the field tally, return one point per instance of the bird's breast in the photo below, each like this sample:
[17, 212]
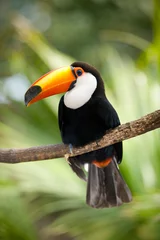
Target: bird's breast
[82, 126]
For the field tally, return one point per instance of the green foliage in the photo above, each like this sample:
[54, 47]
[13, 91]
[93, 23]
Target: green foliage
[45, 200]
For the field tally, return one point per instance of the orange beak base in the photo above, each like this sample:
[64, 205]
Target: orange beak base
[52, 83]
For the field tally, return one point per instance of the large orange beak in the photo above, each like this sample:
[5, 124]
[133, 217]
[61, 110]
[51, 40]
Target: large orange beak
[51, 83]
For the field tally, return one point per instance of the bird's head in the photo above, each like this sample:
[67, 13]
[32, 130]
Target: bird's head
[79, 82]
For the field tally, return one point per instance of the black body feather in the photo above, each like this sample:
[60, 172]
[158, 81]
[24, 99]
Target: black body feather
[106, 187]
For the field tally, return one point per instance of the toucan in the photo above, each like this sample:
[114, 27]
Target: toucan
[84, 115]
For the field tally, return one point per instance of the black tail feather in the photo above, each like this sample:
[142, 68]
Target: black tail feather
[106, 187]
[77, 168]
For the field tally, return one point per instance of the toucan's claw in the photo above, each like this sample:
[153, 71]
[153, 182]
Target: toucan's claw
[71, 148]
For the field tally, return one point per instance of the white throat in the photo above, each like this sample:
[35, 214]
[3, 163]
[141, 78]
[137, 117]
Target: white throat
[82, 92]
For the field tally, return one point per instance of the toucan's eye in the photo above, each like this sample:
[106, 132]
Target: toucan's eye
[79, 72]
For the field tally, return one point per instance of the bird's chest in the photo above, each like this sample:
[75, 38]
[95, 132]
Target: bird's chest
[82, 125]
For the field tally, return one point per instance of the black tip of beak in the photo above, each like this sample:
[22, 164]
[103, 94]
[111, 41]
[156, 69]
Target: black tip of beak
[31, 93]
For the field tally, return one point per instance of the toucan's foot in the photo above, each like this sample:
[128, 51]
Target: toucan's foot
[68, 155]
[97, 142]
[71, 148]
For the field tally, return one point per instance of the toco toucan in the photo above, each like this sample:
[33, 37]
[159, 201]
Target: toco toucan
[85, 114]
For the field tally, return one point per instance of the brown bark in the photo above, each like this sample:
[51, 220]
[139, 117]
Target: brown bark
[121, 133]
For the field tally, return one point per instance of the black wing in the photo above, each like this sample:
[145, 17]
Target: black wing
[110, 117]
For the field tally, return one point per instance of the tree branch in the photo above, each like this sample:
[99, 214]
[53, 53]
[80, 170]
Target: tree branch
[121, 133]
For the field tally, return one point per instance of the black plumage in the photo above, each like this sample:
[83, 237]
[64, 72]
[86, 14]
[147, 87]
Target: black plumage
[106, 187]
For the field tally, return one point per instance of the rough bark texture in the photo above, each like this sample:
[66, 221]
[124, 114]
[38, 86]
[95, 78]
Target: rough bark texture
[121, 133]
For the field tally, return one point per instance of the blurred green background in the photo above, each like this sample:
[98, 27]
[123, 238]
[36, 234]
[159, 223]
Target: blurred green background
[45, 200]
